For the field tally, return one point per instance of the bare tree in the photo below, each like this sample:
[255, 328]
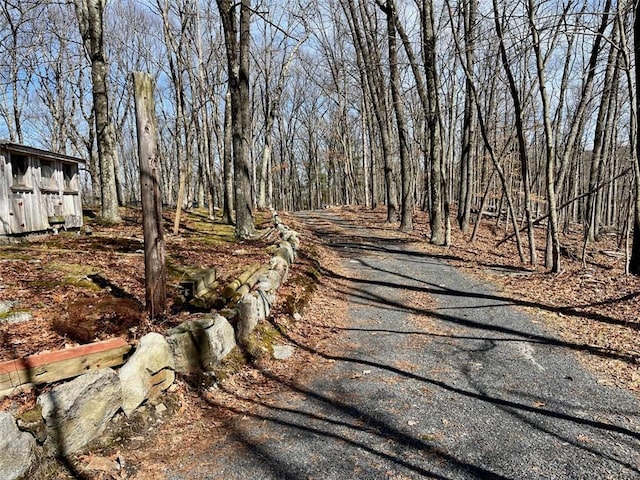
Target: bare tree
[176, 52]
[334, 119]
[438, 217]
[273, 64]
[362, 23]
[237, 40]
[227, 210]
[553, 253]
[634, 262]
[17, 44]
[520, 133]
[90, 15]
[489, 147]
[406, 172]
[465, 195]
[603, 127]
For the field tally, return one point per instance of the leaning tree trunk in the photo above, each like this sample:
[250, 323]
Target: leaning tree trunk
[484, 133]
[90, 20]
[577, 122]
[520, 134]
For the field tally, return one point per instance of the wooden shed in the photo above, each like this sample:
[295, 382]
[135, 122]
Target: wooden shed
[39, 190]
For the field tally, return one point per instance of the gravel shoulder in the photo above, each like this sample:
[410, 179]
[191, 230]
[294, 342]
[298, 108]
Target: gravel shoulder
[430, 375]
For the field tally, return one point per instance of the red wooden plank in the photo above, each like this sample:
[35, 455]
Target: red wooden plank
[59, 355]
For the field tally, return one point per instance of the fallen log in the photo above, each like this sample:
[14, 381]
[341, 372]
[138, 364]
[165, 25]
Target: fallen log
[232, 287]
[248, 285]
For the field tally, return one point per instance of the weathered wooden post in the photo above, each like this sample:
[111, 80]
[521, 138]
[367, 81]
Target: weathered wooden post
[154, 248]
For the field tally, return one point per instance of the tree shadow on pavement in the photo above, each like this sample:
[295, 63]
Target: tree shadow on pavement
[367, 298]
[362, 422]
[538, 415]
[573, 441]
[470, 394]
[350, 423]
[570, 311]
[433, 288]
[346, 243]
[334, 416]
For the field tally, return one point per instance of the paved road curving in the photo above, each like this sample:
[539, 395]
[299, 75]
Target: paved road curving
[465, 388]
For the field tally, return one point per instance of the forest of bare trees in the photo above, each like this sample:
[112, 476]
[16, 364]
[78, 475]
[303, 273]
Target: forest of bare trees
[520, 113]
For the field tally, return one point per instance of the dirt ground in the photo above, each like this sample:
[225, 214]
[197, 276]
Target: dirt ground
[594, 305]
[100, 266]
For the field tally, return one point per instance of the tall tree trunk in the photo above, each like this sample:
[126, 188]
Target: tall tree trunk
[175, 57]
[90, 20]
[203, 114]
[634, 262]
[237, 40]
[484, 133]
[182, 186]
[370, 70]
[408, 187]
[227, 162]
[553, 249]
[593, 217]
[365, 153]
[245, 226]
[465, 194]
[267, 151]
[437, 217]
[406, 172]
[373, 157]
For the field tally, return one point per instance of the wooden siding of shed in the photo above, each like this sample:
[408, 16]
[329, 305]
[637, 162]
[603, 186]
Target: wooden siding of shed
[24, 210]
[5, 227]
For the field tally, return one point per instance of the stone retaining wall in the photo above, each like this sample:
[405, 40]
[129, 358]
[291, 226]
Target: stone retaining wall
[76, 412]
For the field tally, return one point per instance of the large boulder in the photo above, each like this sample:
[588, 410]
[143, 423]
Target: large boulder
[17, 449]
[200, 345]
[149, 371]
[76, 412]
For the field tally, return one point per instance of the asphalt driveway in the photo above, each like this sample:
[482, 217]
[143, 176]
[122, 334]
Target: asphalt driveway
[435, 376]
